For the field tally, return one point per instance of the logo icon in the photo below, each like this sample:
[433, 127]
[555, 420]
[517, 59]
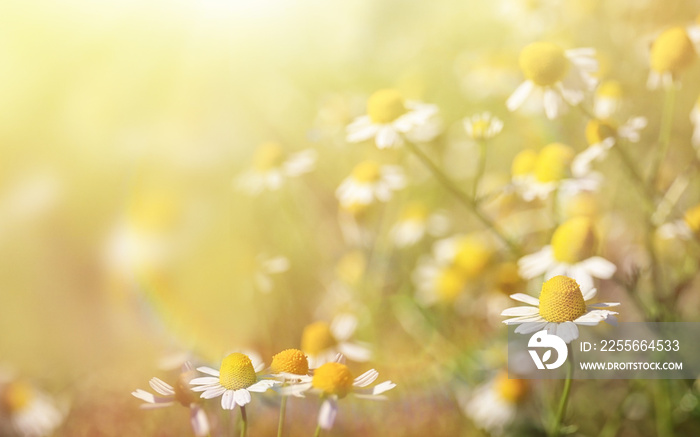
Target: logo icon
[542, 339]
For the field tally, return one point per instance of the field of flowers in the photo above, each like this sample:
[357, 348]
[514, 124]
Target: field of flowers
[313, 218]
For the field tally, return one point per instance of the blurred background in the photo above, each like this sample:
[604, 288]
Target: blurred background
[124, 126]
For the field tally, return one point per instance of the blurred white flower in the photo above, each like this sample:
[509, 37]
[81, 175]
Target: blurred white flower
[322, 342]
[601, 136]
[607, 99]
[670, 54]
[482, 126]
[493, 405]
[272, 165]
[27, 411]
[415, 222]
[267, 266]
[370, 181]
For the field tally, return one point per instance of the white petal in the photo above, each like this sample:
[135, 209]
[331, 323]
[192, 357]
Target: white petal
[327, 413]
[568, 331]
[553, 104]
[360, 130]
[242, 397]
[382, 387]
[519, 96]
[387, 137]
[590, 294]
[520, 311]
[529, 328]
[366, 378]
[161, 387]
[523, 319]
[228, 401]
[343, 326]
[212, 392]
[355, 351]
[536, 263]
[199, 421]
[525, 298]
[261, 386]
[209, 371]
[204, 380]
[599, 267]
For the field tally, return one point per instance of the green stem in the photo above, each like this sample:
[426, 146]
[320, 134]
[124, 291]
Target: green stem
[463, 198]
[283, 409]
[244, 422]
[664, 134]
[565, 394]
[479, 169]
[318, 430]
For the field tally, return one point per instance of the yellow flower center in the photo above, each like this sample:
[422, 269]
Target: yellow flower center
[599, 130]
[333, 379]
[237, 372]
[544, 63]
[554, 163]
[524, 163]
[584, 204]
[574, 240]
[610, 89]
[268, 156]
[316, 338]
[692, 219]
[472, 257]
[183, 394]
[290, 361]
[366, 172]
[512, 390]
[414, 212]
[16, 396]
[385, 106]
[480, 128]
[449, 283]
[672, 51]
[561, 300]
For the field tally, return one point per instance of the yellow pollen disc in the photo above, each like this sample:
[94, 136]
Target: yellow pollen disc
[290, 361]
[333, 379]
[610, 89]
[316, 338]
[480, 128]
[574, 240]
[672, 51]
[561, 300]
[268, 156]
[554, 163]
[584, 204]
[544, 63]
[692, 219]
[414, 212]
[524, 163]
[512, 390]
[598, 130]
[449, 283]
[472, 256]
[16, 396]
[237, 372]
[366, 172]
[183, 394]
[385, 106]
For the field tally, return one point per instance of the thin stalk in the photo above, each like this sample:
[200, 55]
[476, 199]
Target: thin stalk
[565, 394]
[664, 134]
[479, 169]
[244, 422]
[463, 198]
[283, 410]
[318, 430]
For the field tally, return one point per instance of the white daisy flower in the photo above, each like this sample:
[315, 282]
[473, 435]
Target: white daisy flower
[27, 411]
[370, 181]
[492, 406]
[389, 118]
[234, 381]
[482, 126]
[180, 394]
[695, 120]
[322, 342]
[607, 99]
[670, 54]
[334, 381]
[601, 136]
[571, 253]
[560, 308]
[415, 222]
[272, 165]
[684, 229]
[561, 75]
[537, 175]
[267, 266]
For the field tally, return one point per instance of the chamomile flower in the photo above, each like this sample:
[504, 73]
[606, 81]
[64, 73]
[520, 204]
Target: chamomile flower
[321, 341]
[178, 394]
[390, 117]
[235, 380]
[601, 136]
[370, 181]
[570, 253]
[670, 54]
[685, 229]
[607, 99]
[333, 381]
[560, 308]
[27, 411]
[561, 75]
[415, 222]
[695, 120]
[537, 175]
[290, 365]
[493, 405]
[272, 165]
[482, 126]
[269, 266]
